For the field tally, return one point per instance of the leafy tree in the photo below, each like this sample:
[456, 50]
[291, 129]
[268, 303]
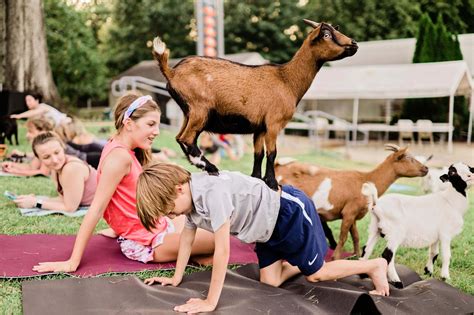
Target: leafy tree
[135, 25]
[435, 43]
[78, 69]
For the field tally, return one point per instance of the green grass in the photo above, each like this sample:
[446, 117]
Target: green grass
[11, 223]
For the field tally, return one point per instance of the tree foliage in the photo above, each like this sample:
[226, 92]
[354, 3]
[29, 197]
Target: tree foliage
[434, 44]
[78, 68]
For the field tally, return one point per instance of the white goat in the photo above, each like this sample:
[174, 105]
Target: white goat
[420, 221]
[431, 182]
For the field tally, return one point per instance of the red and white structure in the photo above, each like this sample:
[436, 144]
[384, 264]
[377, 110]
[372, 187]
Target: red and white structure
[210, 27]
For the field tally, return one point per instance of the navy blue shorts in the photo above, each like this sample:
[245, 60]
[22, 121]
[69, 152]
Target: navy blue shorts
[298, 236]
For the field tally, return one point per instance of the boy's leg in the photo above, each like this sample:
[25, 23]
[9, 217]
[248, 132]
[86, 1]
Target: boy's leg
[375, 268]
[277, 273]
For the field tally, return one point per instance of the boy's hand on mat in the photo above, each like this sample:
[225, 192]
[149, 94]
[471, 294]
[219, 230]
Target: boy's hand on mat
[56, 266]
[194, 306]
[163, 280]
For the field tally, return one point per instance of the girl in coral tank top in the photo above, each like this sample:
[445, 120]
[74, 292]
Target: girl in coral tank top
[137, 120]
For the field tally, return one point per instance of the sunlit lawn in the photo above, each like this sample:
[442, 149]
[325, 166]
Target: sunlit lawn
[462, 271]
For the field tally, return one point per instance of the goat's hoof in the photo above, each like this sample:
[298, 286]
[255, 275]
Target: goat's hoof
[397, 284]
[272, 183]
[212, 170]
[445, 278]
[428, 272]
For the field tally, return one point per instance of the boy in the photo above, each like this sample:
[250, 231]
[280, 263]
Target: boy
[284, 224]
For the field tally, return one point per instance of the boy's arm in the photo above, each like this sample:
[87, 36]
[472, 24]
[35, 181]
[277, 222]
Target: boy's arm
[219, 269]
[186, 240]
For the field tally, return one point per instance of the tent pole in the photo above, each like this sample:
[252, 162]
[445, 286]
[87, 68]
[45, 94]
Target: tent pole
[471, 109]
[355, 118]
[451, 127]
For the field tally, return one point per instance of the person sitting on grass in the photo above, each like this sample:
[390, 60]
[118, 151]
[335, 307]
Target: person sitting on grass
[75, 180]
[137, 120]
[284, 224]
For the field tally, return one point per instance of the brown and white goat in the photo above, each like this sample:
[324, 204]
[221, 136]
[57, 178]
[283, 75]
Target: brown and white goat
[222, 96]
[338, 193]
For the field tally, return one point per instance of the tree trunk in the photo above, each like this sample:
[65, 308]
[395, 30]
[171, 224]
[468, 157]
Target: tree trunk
[26, 65]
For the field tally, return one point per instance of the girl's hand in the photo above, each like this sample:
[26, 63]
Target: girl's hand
[25, 201]
[163, 280]
[14, 116]
[7, 166]
[56, 266]
[194, 306]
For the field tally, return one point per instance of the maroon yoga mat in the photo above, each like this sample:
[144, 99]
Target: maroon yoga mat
[21, 252]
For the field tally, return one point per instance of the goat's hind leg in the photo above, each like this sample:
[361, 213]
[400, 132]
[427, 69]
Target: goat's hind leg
[270, 146]
[432, 255]
[389, 255]
[258, 153]
[374, 235]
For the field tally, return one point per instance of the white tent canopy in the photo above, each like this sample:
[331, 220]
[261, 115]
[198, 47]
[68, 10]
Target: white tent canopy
[422, 80]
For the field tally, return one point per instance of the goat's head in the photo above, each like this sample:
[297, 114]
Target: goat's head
[460, 175]
[328, 44]
[404, 164]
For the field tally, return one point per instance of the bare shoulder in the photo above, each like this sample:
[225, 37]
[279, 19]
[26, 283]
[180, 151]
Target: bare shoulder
[76, 168]
[117, 161]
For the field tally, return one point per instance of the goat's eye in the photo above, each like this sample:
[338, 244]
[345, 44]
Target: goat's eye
[327, 35]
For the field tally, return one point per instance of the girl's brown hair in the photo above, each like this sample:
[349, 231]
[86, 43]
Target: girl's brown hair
[143, 156]
[45, 137]
[156, 191]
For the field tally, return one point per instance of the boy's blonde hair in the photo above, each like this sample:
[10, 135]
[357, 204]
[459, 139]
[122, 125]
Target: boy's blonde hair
[156, 191]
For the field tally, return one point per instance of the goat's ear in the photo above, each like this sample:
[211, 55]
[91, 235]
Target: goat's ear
[471, 169]
[400, 154]
[444, 178]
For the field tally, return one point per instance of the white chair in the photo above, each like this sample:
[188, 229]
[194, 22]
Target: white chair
[405, 130]
[321, 129]
[425, 130]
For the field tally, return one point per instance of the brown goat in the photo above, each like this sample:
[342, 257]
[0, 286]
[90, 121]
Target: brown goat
[221, 96]
[337, 193]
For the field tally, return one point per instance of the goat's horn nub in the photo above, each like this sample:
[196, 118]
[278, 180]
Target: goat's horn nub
[392, 147]
[311, 23]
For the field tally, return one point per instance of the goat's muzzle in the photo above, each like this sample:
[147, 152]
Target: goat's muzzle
[350, 50]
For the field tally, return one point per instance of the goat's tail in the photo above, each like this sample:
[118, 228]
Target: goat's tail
[370, 191]
[161, 55]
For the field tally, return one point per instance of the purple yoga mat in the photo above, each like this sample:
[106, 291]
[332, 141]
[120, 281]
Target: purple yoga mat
[21, 252]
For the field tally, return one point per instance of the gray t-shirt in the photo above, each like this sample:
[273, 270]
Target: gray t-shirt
[247, 202]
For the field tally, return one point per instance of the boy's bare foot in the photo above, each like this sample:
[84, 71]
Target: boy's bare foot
[108, 232]
[378, 274]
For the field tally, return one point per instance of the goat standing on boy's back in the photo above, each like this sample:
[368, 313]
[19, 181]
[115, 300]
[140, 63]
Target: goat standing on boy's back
[221, 96]
[420, 221]
[337, 193]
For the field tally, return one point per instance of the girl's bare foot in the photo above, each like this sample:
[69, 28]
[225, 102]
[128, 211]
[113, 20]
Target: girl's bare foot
[378, 274]
[108, 232]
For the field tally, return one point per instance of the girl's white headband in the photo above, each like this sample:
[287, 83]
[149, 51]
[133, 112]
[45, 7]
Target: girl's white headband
[136, 104]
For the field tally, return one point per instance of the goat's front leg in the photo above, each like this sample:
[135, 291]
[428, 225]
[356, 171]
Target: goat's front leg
[270, 145]
[347, 221]
[258, 153]
[432, 255]
[445, 257]
[355, 238]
